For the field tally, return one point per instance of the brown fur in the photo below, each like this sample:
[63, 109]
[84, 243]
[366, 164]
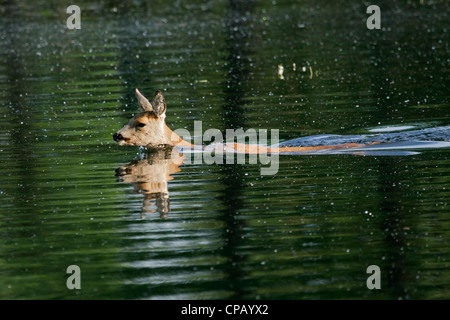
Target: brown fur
[149, 129]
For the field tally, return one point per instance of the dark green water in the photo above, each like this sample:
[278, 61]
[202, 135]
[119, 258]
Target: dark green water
[222, 231]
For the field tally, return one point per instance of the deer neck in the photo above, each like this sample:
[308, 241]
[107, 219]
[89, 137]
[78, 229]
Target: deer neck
[173, 139]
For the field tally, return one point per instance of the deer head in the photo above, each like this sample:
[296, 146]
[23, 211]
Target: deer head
[148, 128]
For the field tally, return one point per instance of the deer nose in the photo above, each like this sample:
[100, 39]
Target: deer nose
[117, 137]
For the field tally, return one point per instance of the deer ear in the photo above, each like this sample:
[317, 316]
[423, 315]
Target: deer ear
[143, 102]
[159, 104]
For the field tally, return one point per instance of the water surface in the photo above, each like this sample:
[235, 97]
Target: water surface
[223, 231]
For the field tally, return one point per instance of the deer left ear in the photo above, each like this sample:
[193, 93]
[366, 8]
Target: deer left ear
[159, 104]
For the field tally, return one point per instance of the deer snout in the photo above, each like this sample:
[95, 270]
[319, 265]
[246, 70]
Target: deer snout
[120, 139]
[117, 137]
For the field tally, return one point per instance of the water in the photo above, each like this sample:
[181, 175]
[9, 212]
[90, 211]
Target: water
[223, 231]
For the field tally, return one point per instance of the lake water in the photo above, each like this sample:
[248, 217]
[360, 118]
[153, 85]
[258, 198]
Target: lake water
[71, 196]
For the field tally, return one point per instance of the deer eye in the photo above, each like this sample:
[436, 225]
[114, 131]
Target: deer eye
[140, 125]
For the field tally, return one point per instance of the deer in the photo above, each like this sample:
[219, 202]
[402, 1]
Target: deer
[150, 176]
[149, 129]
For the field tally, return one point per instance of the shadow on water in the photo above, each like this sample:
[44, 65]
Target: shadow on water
[133, 65]
[238, 49]
[394, 226]
[19, 115]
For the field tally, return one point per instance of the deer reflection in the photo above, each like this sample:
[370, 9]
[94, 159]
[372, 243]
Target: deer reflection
[150, 177]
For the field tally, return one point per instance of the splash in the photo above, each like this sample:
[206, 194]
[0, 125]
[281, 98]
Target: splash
[389, 143]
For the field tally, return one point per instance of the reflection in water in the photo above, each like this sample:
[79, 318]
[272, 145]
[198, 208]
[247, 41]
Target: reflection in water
[150, 177]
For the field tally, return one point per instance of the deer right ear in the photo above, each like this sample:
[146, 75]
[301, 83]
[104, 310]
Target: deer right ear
[143, 102]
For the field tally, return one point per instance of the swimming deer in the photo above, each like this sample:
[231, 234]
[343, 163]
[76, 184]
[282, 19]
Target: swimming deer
[149, 129]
